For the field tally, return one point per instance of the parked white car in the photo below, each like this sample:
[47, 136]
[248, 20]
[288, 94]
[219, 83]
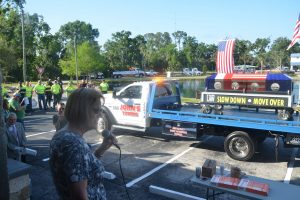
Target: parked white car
[192, 72]
[151, 73]
[187, 72]
[196, 72]
[135, 72]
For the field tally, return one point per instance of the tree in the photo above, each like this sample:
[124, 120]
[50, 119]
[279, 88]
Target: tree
[89, 60]
[242, 52]
[37, 41]
[178, 37]
[155, 50]
[170, 56]
[83, 31]
[278, 55]
[122, 51]
[7, 58]
[260, 49]
[48, 50]
[190, 45]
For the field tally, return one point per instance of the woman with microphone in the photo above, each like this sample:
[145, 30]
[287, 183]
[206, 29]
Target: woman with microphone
[76, 170]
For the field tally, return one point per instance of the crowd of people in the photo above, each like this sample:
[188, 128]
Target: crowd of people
[49, 94]
[76, 169]
[19, 104]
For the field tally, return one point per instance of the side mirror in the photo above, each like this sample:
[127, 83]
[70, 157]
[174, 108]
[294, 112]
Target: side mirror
[114, 94]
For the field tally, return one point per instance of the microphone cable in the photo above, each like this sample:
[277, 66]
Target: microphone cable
[120, 165]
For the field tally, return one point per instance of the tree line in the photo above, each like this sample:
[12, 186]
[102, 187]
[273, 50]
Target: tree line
[161, 51]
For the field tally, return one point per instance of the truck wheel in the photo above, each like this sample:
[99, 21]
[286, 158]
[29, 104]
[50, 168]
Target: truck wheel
[206, 109]
[284, 115]
[141, 75]
[104, 123]
[239, 146]
[115, 76]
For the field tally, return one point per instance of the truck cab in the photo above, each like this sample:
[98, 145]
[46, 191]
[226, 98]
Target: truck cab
[129, 106]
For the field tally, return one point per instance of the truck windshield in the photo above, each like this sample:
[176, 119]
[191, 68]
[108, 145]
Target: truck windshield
[165, 89]
[133, 92]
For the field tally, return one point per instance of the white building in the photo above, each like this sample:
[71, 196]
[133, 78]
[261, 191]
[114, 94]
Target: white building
[295, 60]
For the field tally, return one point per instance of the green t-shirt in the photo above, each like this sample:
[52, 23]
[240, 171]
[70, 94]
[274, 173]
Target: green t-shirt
[4, 91]
[14, 106]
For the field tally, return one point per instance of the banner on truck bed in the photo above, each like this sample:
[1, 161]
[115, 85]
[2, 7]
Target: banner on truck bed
[247, 99]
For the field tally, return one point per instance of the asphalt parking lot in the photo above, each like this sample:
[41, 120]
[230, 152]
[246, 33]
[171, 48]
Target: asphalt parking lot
[157, 160]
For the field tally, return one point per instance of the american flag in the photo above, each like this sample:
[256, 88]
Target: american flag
[225, 62]
[296, 35]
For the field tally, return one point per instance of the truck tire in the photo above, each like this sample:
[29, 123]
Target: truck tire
[115, 76]
[239, 146]
[141, 75]
[285, 115]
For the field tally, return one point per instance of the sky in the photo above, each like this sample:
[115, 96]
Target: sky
[207, 20]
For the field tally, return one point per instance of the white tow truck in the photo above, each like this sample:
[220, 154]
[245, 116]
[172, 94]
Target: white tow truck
[142, 105]
[134, 72]
[191, 72]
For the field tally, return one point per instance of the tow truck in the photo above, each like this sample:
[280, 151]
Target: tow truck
[133, 72]
[142, 105]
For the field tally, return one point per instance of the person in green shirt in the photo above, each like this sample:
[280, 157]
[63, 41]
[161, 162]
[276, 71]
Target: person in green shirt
[4, 92]
[70, 88]
[15, 106]
[39, 89]
[28, 94]
[56, 91]
[104, 87]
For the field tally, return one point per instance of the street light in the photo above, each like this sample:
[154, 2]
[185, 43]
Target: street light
[76, 62]
[23, 42]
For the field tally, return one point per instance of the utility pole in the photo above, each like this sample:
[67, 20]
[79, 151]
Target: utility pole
[4, 182]
[76, 62]
[23, 42]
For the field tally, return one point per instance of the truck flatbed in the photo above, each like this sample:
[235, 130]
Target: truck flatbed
[234, 118]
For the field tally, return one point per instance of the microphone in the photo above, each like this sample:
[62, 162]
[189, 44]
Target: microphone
[107, 134]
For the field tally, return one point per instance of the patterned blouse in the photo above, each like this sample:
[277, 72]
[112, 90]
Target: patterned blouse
[71, 160]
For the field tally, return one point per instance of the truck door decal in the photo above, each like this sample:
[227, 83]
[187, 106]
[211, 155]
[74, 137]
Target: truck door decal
[130, 110]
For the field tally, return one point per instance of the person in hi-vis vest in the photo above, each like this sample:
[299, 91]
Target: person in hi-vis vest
[104, 87]
[56, 91]
[70, 88]
[28, 94]
[39, 89]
